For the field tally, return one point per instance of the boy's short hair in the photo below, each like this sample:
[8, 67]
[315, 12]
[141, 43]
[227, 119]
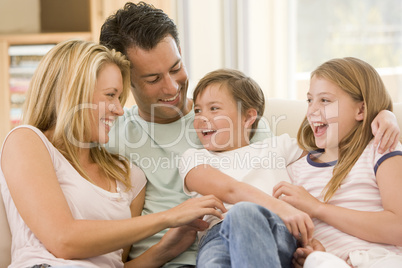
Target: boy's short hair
[243, 89]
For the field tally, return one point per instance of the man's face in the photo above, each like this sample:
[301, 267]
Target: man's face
[160, 82]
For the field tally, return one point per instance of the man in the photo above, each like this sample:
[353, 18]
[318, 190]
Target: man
[155, 132]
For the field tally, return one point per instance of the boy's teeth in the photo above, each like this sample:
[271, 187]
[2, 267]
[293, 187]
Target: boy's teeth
[206, 132]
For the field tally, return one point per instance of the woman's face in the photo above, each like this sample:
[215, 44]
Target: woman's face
[106, 103]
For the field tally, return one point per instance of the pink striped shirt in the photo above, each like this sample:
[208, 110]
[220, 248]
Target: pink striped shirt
[359, 191]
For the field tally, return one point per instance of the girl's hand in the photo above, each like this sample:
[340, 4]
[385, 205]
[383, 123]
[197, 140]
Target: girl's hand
[191, 210]
[298, 197]
[298, 223]
[385, 130]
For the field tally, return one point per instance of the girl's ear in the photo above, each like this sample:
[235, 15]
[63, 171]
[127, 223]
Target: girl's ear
[361, 112]
[251, 116]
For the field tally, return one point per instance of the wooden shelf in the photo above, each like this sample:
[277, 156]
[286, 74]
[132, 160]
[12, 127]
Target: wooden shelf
[23, 39]
[43, 38]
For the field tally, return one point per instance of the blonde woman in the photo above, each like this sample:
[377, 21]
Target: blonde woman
[349, 188]
[69, 202]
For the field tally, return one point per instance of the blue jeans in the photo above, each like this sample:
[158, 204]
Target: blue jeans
[249, 236]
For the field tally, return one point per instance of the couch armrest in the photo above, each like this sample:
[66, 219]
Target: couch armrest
[5, 241]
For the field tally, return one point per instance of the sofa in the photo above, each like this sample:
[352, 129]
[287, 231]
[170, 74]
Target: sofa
[284, 116]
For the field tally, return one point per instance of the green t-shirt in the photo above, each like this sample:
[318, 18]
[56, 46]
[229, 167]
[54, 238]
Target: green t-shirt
[156, 149]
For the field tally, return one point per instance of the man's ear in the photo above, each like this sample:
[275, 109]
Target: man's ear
[361, 112]
[251, 116]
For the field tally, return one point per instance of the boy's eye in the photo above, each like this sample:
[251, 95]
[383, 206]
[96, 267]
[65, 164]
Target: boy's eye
[214, 108]
[196, 111]
[309, 100]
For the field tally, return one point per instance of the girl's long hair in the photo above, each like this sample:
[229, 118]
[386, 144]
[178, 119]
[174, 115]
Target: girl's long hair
[362, 82]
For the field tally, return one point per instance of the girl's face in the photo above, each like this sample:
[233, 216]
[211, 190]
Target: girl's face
[332, 113]
[106, 104]
[218, 121]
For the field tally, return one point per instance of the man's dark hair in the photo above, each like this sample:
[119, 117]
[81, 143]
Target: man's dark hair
[137, 25]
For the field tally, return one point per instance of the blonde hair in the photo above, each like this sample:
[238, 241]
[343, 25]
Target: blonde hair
[243, 89]
[362, 82]
[62, 85]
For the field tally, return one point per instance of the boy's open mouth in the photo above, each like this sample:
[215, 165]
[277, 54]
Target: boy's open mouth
[207, 132]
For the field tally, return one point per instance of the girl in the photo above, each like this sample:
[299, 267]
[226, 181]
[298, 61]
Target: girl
[68, 201]
[348, 187]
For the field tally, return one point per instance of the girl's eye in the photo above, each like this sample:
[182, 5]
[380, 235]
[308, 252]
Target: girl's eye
[325, 100]
[214, 108]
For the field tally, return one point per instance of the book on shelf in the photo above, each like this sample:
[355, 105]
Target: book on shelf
[24, 59]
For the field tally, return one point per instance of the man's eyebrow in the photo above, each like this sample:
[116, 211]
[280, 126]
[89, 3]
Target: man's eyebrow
[155, 74]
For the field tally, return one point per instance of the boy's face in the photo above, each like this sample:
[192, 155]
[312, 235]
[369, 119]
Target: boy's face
[218, 121]
[159, 79]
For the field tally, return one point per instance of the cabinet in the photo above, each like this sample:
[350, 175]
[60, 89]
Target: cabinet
[60, 20]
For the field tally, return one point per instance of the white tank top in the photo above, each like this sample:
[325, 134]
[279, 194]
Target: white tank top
[86, 201]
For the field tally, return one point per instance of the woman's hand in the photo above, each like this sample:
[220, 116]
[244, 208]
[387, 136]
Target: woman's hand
[298, 197]
[193, 209]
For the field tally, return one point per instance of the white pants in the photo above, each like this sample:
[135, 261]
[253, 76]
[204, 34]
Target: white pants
[373, 258]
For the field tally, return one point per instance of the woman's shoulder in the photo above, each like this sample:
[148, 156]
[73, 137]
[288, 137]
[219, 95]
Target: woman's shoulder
[26, 138]
[24, 132]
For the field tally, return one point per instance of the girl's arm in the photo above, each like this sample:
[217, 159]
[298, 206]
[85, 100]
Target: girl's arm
[380, 227]
[205, 179]
[35, 190]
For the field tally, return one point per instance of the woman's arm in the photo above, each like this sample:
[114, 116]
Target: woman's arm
[380, 227]
[35, 190]
[136, 208]
[205, 179]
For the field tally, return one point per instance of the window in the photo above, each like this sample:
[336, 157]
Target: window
[279, 42]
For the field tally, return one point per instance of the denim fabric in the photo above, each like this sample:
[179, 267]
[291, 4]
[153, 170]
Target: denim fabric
[249, 236]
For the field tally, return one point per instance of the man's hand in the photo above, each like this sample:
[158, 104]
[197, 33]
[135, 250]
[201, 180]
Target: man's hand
[385, 130]
[300, 255]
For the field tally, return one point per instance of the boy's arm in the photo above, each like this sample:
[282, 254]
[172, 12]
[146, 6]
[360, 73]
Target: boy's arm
[205, 179]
